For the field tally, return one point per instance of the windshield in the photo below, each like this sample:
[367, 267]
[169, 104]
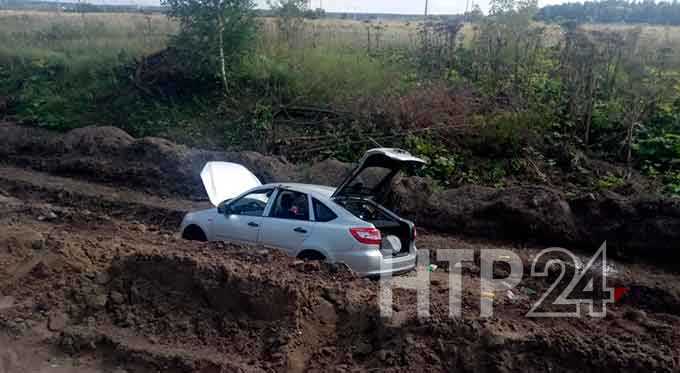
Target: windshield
[363, 210]
[369, 181]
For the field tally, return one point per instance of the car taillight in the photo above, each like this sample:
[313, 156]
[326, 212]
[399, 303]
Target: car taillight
[368, 236]
[415, 233]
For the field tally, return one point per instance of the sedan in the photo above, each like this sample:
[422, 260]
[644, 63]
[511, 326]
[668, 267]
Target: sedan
[345, 225]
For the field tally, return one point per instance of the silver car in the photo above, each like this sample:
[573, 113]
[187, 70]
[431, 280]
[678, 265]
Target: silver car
[346, 224]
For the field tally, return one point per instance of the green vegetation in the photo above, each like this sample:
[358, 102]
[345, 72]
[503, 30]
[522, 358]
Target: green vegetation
[497, 101]
[646, 11]
[212, 35]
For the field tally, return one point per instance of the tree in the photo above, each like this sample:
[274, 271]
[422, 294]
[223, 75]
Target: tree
[497, 7]
[213, 33]
[645, 11]
[290, 19]
[475, 15]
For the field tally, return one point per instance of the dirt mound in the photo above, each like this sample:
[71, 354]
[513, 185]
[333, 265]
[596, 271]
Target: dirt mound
[521, 214]
[328, 172]
[205, 310]
[180, 312]
[97, 140]
[640, 225]
[24, 140]
[109, 155]
[116, 294]
[634, 223]
[648, 226]
[217, 309]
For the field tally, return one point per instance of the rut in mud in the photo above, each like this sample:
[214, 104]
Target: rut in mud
[101, 282]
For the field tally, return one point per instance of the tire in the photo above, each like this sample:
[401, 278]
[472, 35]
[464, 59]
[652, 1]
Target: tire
[311, 255]
[194, 233]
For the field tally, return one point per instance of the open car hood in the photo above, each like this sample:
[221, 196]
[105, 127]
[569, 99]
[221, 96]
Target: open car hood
[223, 181]
[373, 176]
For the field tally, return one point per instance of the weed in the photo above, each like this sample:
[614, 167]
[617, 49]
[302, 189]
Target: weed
[610, 182]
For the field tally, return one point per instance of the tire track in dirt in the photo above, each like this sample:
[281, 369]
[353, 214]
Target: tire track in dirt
[115, 202]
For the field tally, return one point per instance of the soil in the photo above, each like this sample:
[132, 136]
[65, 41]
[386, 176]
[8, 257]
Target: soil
[635, 223]
[94, 278]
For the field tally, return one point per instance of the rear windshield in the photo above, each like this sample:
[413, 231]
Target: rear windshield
[363, 210]
[368, 181]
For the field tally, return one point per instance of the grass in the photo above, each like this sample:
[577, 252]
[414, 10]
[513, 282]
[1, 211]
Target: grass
[77, 65]
[326, 75]
[80, 41]
[76, 61]
[344, 34]
[650, 35]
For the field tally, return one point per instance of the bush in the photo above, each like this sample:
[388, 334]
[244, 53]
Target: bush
[661, 151]
[672, 182]
[442, 164]
[505, 134]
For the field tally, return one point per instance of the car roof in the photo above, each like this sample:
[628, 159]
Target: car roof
[322, 190]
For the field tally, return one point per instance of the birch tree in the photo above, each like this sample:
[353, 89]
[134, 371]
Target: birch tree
[213, 33]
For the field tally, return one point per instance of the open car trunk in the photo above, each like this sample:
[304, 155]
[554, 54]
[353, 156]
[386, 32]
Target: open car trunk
[372, 178]
[397, 233]
[365, 188]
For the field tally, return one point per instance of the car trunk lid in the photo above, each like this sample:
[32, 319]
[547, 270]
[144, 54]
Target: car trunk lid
[224, 180]
[373, 176]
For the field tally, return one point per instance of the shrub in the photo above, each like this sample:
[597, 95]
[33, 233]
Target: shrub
[672, 182]
[505, 134]
[442, 164]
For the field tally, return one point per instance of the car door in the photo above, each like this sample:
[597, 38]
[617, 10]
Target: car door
[242, 218]
[288, 224]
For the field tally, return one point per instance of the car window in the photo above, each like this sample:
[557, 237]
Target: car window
[322, 213]
[252, 204]
[363, 210]
[368, 180]
[291, 205]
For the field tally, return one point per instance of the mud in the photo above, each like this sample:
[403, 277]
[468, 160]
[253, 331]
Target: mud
[634, 224]
[92, 286]
[109, 155]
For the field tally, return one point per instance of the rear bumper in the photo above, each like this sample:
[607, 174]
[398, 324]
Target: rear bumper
[370, 263]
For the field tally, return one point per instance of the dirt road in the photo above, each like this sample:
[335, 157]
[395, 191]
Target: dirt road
[94, 279]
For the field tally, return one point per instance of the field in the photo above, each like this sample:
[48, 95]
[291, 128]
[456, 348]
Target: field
[84, 37]
[81, 39]
[90, 36]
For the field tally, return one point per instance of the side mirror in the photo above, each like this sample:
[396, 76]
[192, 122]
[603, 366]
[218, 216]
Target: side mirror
[223, 209]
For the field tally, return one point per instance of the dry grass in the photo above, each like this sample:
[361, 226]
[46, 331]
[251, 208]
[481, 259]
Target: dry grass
[346, 34]
[80, 38]
[77, 39]
[651, 35]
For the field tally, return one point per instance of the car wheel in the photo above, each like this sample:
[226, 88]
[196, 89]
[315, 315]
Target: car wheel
[311, 255]
[194, 233]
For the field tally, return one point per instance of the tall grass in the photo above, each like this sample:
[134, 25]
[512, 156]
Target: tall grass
[79, 41]
[325, 75]
[333, 33]
[76, 63]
